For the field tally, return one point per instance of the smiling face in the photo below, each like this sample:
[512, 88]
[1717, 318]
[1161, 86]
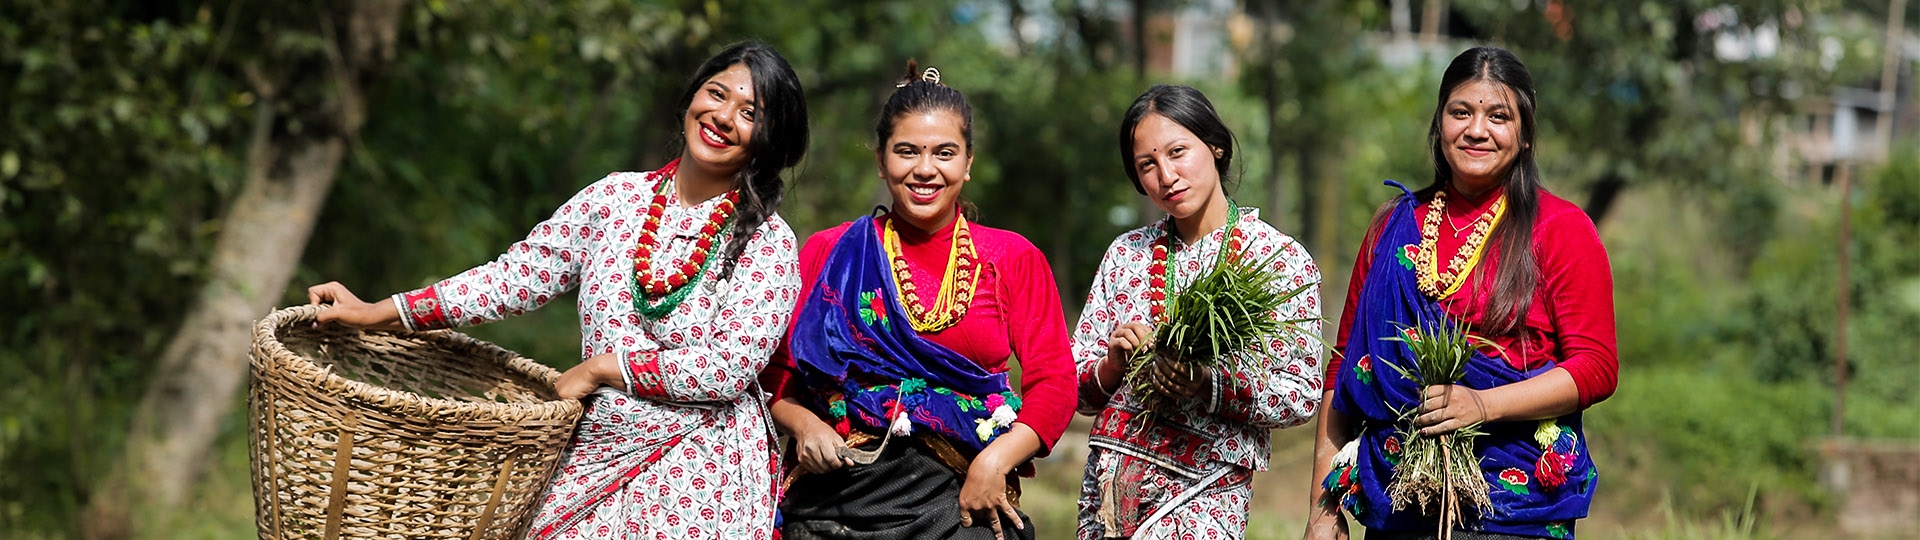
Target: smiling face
[720, 120]
[1176, 169]
[1479, 135]
[925, 163]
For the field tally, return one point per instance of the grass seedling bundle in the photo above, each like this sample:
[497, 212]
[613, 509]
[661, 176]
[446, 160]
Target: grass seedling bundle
[1439, 474]
[1225, 320]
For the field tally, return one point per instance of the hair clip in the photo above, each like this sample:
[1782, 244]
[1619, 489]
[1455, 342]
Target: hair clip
[930, 75]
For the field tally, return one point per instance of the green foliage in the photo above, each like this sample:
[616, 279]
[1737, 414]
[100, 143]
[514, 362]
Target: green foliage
[1696, 429]
[1727, 370]
[115, 154]
[126, 128]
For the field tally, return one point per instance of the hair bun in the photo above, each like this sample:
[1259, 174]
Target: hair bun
[914, 74]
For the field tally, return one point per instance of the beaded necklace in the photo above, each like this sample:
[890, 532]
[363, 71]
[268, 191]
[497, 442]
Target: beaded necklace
[1157, 276]
[668, 291]
[956, 283]
[1441, 284]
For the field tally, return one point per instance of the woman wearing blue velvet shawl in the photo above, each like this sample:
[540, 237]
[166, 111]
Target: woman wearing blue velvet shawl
[893, 384]
[1487, 247]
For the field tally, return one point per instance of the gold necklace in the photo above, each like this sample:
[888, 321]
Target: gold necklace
[1432, 280]
[956, 292]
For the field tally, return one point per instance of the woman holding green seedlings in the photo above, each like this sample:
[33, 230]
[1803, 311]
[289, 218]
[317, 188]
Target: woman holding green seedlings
[1184, 469]
[1488, 252]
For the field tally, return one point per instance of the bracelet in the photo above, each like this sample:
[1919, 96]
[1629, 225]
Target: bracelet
[626, 377]
[1213, 390]
[400, 305]
[1100, 385]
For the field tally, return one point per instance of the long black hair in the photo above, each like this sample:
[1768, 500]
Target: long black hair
[1515, 275]
[779, 136]
[1187, 107]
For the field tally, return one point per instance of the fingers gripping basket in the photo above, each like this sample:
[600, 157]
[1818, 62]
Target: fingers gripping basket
[397, 435]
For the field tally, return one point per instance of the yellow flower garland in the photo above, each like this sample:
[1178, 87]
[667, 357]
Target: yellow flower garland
[950, 304]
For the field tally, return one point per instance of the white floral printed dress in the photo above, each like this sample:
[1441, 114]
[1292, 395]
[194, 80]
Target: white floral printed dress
[687, 452]
[1219, 443]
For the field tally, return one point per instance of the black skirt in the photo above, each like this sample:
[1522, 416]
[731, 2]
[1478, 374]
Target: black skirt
[907, 493]
[1433, 535]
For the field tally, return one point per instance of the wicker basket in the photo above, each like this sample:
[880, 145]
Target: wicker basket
[397, 435]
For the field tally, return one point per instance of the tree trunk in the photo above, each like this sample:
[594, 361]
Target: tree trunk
[289, 172]
[1140, 9]
[1602, 194]
[1325, 242]
[1308, 162]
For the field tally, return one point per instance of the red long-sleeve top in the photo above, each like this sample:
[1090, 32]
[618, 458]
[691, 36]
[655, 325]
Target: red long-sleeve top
[1015, 313]
[1571, 317]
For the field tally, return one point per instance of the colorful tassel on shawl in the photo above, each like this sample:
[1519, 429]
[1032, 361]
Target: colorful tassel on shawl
[1551, 471]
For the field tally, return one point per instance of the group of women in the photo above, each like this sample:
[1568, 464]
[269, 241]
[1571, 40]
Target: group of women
[881, 348]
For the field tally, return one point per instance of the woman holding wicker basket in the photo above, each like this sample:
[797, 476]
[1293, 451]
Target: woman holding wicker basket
[686, 277]
[1478, 325]
[1184, 405]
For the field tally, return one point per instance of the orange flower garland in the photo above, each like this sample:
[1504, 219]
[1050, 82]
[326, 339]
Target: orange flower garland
[1441, 284]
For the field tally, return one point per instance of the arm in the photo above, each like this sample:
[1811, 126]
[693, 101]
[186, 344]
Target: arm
[984, 493]
[1578, 288]
[1037, 332]
[1324, 520]
[753, 315]
[1356, 278]
[818, 448]
[1097, 377]
[781, 376]
[1331, 432]
[531, 272]
[1286, 393]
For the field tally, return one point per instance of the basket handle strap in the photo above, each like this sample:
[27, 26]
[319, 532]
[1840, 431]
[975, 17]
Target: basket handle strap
[493, 500]
[342, 459]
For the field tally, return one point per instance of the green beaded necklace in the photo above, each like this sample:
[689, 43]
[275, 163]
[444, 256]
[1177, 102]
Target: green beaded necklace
[654, 311]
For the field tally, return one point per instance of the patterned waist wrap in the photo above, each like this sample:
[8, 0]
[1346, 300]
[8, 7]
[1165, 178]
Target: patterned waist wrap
[871, 372]
[1541, 476]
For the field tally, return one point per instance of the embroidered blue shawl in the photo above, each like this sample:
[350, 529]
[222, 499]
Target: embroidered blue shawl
[1370, 391]
[865, 363]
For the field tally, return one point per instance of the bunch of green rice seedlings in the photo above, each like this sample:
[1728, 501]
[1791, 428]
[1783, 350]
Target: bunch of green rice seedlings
[1438, 474]
[1225, 320]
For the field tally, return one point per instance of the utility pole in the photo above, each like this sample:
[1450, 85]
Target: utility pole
[1431, 17]
[1890, 74]
[1845, 180]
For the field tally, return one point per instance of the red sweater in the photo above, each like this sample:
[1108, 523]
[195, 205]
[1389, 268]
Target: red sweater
[1571, 317]
[1015, 313]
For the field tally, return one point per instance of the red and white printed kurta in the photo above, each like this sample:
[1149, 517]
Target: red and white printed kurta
[686, 453]
[1232, 431]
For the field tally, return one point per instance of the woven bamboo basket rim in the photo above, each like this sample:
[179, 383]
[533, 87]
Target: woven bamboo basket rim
[284, 363]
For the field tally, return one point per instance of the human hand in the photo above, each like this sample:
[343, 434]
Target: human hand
[350, 310]
[590, 375]
[820, 449]
[1326, 525]
[1180, 380]
[1447, 408]
[1126, 339]
[983, 496]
